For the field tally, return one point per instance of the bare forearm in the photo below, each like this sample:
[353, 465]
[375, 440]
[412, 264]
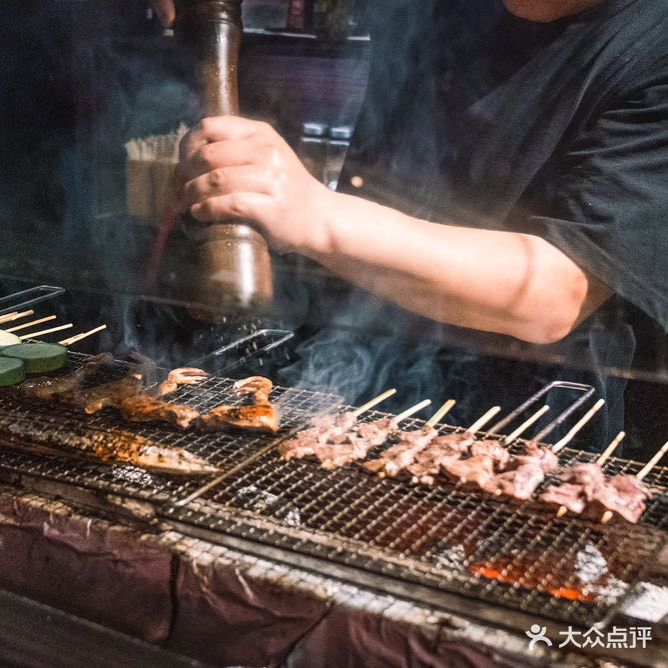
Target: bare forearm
[496, 281]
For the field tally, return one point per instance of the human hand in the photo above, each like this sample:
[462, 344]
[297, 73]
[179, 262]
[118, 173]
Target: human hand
[165, 10]
[233, 167]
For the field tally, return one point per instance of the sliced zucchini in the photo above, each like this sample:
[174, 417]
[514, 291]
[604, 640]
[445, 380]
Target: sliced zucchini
[8, 339]
[12, 371]
[38, 357]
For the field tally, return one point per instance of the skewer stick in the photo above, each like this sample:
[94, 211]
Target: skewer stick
[365, 407]
[614, 444]
[441, 413]
[412, 410]
[525, 425]
[482, 421]
[34, 335]
[30, 324]
[559, 445]
[79, 337]
[652, 462]
[607, 515]
[14, 315]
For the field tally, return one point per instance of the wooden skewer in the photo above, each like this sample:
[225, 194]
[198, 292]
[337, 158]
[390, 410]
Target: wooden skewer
[441, 413]
[14, 315]
[46, 331]
[362, 409]
[79, 337]
[412, 410]
[525, 425]
[30, 324]
[614, 444]
[559, 445]
[482, 421]
[607, 515]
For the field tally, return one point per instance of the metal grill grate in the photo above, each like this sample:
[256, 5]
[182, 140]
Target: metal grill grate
[444, 538]
[221, 449]
[517, 555]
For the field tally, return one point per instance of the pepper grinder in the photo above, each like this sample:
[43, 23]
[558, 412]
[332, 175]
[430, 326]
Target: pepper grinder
[233, 272]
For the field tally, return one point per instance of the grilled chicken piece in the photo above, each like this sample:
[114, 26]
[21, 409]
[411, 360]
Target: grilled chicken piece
[182, 376]
[109, 447]
[441, 451]
[325, 428]
[547, 459]
[476, 471]
[568, 495]
[56, 387]
[142, 408]
[110, 395]
[400, 456]
[262, 417]
[492, 448]
[260, 386]
[519, 483]
[355, 444]
[623, 495]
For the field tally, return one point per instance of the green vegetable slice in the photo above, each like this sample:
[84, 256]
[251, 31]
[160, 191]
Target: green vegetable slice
[12, 371]
[38, 357]
[8, 339]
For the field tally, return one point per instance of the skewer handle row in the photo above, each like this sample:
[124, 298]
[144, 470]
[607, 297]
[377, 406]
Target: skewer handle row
[483, 420]
[441, 413]
[525, 425]
[371, 403]
[560, 445]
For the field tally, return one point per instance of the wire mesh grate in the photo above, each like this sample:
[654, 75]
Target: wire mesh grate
[446, 537]
[221, 449]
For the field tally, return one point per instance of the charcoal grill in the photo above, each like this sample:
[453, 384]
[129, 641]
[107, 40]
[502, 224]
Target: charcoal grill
[388, 533]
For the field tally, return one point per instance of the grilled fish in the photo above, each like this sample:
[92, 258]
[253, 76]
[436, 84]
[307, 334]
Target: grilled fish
[109, 447]
[51, 387]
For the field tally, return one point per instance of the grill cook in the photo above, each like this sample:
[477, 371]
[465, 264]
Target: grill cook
[513, 176]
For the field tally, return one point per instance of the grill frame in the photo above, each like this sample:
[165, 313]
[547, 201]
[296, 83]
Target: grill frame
[221, 513]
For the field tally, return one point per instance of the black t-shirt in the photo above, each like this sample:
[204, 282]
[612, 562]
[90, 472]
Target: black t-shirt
[476, 117]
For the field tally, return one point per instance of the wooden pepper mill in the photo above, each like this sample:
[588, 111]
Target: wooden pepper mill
[233, 273]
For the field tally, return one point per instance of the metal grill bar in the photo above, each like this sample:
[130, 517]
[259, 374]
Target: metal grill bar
[29, 297]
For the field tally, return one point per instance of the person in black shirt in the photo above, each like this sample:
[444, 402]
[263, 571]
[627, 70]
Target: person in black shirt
[509, 170]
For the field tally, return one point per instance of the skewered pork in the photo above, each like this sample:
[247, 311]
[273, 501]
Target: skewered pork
[586, 490]
[519, 483]
[401, 455]
[623, 495]
[323, 429]
[110, 447]
[442, 450]
[355, 444]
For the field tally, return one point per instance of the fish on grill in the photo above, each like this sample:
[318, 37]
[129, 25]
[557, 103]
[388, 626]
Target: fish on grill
[109, 447]
[51, 387]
